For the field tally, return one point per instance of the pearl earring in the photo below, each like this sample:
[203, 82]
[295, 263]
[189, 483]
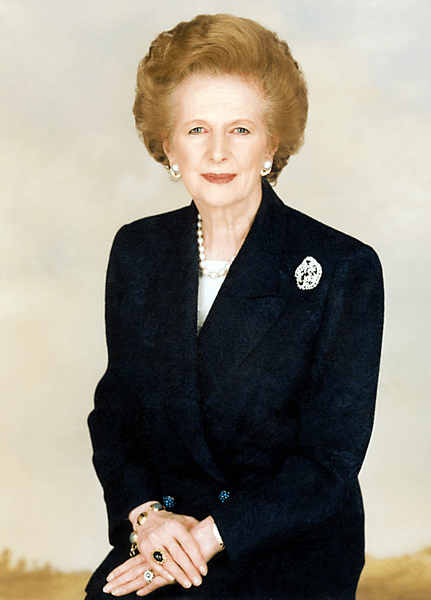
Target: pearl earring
[175, 171]
[267, 166]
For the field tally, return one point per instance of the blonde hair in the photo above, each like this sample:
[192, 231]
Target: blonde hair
[222, 44]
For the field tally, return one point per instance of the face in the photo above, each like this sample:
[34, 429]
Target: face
[219, 140]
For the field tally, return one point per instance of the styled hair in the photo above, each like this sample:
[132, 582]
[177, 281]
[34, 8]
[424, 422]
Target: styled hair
[214, 45]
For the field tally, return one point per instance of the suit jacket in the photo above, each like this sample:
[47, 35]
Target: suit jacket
[262, 420]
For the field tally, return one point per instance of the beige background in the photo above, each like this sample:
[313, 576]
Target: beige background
[73, 170]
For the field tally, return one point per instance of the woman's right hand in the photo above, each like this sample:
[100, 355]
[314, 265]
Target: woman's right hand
[170, 533]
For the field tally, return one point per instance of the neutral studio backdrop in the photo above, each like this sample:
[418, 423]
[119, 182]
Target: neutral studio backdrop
[72, 171]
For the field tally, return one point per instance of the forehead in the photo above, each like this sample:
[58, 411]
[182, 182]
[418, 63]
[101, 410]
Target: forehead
[219, 96]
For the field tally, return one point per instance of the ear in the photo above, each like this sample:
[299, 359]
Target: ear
[168, 151]
[272, 151]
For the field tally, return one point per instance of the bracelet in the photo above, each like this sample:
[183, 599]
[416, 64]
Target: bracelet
[139, 521]
[217, 536]
[143, 516]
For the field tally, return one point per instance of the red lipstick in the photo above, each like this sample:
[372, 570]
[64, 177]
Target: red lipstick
[219, 177]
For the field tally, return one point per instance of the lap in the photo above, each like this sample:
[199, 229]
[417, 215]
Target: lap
[303, 569]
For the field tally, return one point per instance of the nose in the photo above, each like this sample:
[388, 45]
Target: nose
[218, 150]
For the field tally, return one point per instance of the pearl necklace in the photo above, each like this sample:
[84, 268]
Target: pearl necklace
[202, 258]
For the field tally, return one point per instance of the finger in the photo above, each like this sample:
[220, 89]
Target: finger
[125, 566]
[182, 559]
[137, 584]
[157, 582]
[125, 578]
[158, 568]
[170, 536]
[169, 569]
[184, 548]
[178, 565]
[191, 548]
[126, 587]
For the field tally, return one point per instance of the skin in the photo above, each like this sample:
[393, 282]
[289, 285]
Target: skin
[188, 543]
[219, 129]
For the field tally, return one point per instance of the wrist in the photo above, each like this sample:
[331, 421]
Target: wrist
[216, 534]
[212, 535]
[141, 509]
[140, 520]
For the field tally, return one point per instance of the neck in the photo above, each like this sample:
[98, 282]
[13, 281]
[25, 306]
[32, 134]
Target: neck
[225, 229]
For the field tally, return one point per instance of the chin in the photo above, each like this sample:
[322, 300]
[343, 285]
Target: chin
[219, 195]
[222, 196]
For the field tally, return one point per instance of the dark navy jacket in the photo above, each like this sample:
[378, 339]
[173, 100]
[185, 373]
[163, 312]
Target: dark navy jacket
[272, 402]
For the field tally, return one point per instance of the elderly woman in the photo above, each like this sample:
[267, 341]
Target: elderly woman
[244, 342]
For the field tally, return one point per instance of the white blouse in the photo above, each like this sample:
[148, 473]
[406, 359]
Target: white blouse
[208, 289]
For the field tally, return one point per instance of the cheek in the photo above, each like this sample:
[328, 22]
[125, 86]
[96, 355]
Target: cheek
[253, 159]
[190, 156]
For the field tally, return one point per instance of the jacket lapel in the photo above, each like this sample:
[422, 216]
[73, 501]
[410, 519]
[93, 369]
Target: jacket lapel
[178, 284]
[247, 304]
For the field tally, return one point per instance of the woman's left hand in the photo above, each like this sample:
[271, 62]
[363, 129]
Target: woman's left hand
[129, 577]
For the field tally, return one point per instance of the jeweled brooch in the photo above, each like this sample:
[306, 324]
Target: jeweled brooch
[308, 274]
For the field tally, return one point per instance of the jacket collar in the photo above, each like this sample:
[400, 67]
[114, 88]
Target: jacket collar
[255, 271]
[247, 304]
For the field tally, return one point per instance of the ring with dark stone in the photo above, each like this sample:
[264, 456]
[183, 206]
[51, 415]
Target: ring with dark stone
[159, 556]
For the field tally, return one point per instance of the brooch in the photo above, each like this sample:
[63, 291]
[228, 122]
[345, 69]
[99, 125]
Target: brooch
[308, 273]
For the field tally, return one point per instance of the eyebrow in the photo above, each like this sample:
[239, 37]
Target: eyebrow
[231, 124]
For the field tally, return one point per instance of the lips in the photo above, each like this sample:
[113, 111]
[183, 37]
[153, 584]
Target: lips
[219, 177]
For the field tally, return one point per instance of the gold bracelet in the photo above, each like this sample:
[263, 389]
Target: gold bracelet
[139, 521]
[142, 517]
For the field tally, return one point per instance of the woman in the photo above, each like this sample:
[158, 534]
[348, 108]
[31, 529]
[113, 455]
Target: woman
[244, 342]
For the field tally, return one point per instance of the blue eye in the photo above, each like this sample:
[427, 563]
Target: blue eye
[242, 130]
[196, 130]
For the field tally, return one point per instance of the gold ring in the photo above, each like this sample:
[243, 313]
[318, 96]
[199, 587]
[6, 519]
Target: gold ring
[159, 556]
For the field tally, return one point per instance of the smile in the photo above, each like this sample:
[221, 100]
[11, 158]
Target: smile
[219, 177]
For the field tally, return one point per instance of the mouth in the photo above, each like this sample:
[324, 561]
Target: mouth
[219, 177]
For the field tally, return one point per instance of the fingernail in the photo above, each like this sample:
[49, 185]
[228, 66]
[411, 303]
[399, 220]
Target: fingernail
[203, 570]
[197, 581]
[188, 584]
[107, 588]
[171, 578]
[110, 576]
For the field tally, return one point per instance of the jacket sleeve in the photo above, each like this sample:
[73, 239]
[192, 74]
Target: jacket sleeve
[120, 457]
[335, 418]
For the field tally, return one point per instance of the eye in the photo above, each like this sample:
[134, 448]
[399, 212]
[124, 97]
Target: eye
[196, 130]
[241, 130]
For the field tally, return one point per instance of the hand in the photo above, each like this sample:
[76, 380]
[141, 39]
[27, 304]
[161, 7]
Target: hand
[129, 577]
[171, 534]
[204, 536]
